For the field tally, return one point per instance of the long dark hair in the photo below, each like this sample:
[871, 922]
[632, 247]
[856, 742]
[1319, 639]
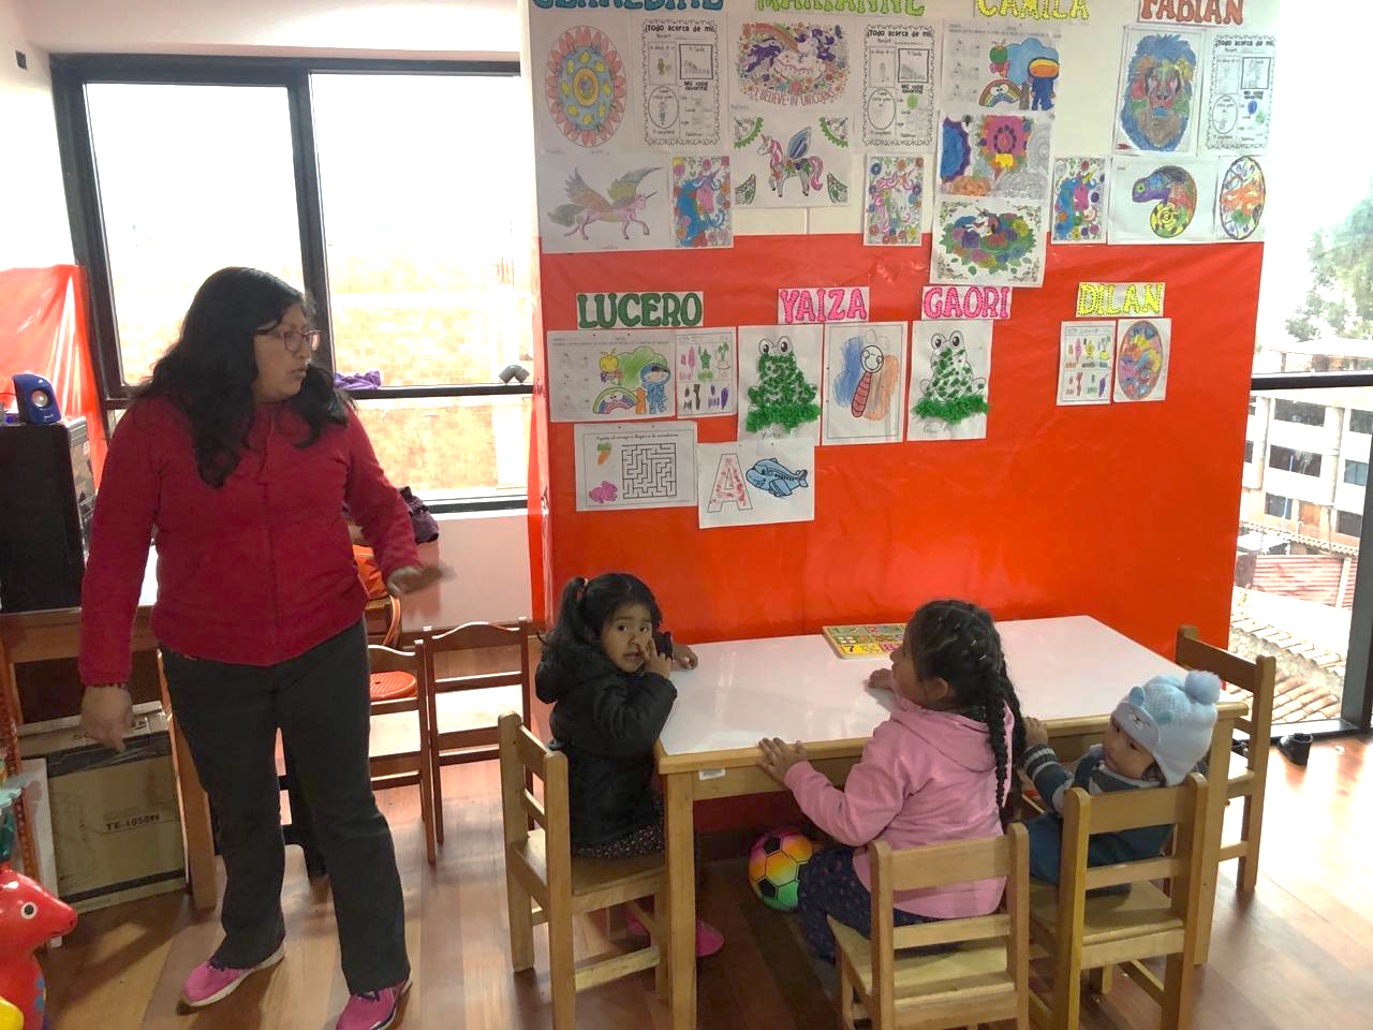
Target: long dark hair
[209, 372]
[573, 645]
[957, 642]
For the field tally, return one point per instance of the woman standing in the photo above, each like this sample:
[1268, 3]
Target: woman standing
[239, 455]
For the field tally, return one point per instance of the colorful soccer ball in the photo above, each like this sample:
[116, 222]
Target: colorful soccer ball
[774, 867]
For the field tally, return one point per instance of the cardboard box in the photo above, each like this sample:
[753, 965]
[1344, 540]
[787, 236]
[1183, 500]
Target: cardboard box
[116, 824]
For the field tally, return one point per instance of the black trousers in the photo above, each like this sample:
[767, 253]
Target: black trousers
[230, 715]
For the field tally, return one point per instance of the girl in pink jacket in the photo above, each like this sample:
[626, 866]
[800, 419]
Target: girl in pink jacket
[937, 770]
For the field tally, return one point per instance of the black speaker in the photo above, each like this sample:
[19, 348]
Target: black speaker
[47, 495]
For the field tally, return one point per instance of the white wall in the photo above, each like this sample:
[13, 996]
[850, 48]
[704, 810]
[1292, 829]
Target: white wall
[33, 208]
[441, 28]
[489, 555]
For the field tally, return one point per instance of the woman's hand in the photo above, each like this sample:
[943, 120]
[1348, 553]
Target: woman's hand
[1035, 731]
[882, 679]
[684, 657]
[655, 661]
[410, 578]
[107, 714]
[779, 756]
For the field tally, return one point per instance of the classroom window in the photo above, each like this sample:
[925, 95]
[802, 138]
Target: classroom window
[1349, 522]
[1302, 462]
[1300, 412]
[1277, 506]
[1360, 421]
[1356, 472]
[340, 177]
[1253, 404]
[1248, 452]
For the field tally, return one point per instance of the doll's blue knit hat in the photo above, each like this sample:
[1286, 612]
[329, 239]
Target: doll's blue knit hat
[1172, 719]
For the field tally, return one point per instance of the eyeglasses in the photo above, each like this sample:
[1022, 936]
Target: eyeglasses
[296, 341]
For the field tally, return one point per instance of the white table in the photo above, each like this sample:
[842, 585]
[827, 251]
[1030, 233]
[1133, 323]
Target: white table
[1071, 672]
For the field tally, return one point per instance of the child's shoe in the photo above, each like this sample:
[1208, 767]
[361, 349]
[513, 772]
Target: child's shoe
[372, 1010]
[708, 939]
[210, 981]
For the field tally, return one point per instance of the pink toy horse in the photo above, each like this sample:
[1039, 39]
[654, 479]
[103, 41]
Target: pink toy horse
[795, 162]
[29, 915]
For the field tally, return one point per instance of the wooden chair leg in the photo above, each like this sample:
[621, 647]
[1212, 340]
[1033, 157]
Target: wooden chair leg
[845, 997]
[1067, 992]
[436, 776]
[1178, 991]
[561, 966]
[520, 907]
[1100, 979]
[427, 811]
[1247, 878]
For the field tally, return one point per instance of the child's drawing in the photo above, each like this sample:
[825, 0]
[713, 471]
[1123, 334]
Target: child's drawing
[864, 378]
[899, 76]
[1001, 69]
[706, 366]
[611, 375]
[1079, 198]
[623, 207]
[1086, 357]
[779, 381]
[795, 161]
[997, 243]
[1158, 83]
[1158, 200]
[1240, 200]
[1142, 359]
[701, 202]
[593, 202]
[584, 84]
[895, 195]
[793, 65]
[635, 466]
[755, 482]
[950, 367]
[1238, 93]
[985, 154]
[680, 82]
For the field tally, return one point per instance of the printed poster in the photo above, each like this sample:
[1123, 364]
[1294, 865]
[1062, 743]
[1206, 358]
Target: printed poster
[779, 382]
[864, 382]
[755, 482]
[610, 375]
[1239, 92]
[635, 466]
[1079, 200]
[680, 82]
[706, 373]
[1161, 200]
[951, 364]
[1003, 68]
[900, 69]
[1086, 358]
[1142, 347]
[1159, 93]
[895, 200]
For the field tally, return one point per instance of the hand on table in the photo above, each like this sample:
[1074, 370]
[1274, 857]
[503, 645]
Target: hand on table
[107, 715]
[1035, 731]
[779, 756]
[410, 578]
[684, 657]
[882, 679]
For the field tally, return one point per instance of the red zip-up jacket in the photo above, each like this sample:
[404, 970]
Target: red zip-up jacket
[255, 572]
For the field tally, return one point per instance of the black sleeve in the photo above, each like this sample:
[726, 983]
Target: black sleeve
[626, 715]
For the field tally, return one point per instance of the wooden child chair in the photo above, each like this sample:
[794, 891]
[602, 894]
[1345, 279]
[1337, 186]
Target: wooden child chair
[545, 884]
[985, 980]
[463, 710]
[396, 752]
[1084, 933]
[1247, 776]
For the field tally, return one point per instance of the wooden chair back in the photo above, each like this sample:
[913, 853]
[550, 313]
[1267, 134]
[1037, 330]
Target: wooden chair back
[986, 980]
[397, 752]
[1124, 928]
[1259, 679]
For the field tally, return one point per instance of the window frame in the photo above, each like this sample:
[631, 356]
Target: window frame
[71, 73]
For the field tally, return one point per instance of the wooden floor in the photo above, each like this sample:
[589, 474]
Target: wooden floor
[1298, 952]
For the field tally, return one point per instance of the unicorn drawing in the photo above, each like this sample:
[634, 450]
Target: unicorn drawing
[625, 204]
[694, 207]
[808, 168]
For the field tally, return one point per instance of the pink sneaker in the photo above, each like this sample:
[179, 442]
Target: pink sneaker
[209, 981]
[708, 939]
[372, 1010]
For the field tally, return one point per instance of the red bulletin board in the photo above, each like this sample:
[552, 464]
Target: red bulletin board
[1125, 512]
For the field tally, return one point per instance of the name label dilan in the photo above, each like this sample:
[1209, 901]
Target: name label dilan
[965, 302]
[807, 304]
[1095, 300]
[646, 310]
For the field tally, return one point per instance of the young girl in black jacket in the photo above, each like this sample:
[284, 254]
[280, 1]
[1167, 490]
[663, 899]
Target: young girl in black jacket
[605, 669]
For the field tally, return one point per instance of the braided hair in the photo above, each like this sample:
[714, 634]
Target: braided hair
[957, 642]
